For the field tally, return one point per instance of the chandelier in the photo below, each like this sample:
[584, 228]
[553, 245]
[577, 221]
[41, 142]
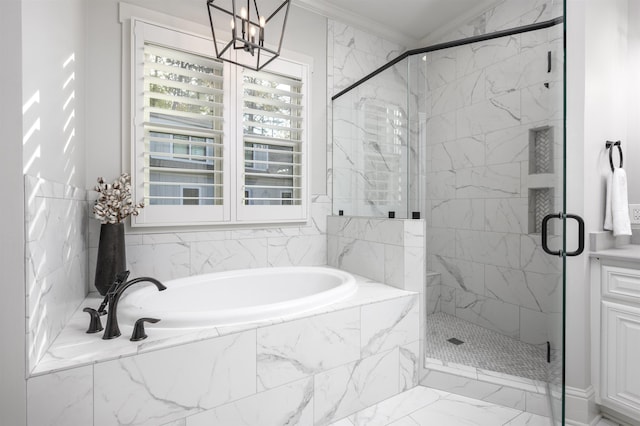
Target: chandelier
[256, 33]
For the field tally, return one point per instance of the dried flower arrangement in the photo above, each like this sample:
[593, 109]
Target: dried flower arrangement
[115, 203]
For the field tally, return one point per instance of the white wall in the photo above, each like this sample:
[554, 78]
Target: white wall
[53, 75]
[12, 264]
[597, 107]
[632, 146]
[305, 34]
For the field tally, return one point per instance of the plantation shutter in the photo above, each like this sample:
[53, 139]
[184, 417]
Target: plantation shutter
[272, 131]
[204, 154]
[183, 128]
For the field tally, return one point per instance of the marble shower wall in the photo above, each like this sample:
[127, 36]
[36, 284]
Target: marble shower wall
[483, 101]
[385, 250]
[351, 55]
[56, 258]
[391, 251]
[171, 255]
[504, 15]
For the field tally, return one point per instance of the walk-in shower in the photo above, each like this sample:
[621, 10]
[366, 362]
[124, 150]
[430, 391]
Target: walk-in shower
[468, 135]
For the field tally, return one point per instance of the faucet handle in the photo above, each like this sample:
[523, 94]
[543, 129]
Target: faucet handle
[95, 325]
[138, 329]
[121, 277]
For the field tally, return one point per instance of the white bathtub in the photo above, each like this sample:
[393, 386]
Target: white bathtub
[234, 297]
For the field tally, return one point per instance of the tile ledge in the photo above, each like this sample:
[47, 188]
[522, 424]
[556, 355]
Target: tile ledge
[74, 348]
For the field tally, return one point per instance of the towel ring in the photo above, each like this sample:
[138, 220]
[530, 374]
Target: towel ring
[610, 145]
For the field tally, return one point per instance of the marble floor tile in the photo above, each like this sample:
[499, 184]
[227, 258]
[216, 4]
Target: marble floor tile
[422, 406]
[529, 419]
[454, 410]
[396, 407]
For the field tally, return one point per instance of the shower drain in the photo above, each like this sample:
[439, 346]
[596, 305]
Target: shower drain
[455, 341]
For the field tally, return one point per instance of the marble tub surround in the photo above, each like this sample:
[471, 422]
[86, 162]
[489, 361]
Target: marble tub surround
[318, 366]
[75, 348]
[56, 217]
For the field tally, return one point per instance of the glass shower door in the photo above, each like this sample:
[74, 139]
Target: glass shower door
[470, 135]
[494, 146]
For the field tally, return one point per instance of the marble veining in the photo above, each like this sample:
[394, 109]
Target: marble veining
[309, 368]
[287, 405]
[301, 348]
[56, 259]
[347, 389]
[129, 391]
[74, 348]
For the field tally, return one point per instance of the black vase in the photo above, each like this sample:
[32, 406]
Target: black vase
[112, 257]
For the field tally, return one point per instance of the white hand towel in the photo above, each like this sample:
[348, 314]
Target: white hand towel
[608, 219]
[618, 204]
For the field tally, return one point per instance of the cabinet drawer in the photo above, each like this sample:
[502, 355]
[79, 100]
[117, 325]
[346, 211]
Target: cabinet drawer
[621, 283]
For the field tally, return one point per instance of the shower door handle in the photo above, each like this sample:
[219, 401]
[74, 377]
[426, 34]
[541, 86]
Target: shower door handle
[580, 234]
[545, 225]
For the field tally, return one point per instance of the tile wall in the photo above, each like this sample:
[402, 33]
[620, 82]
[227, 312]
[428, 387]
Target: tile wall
[56, 218]
[312, 370]
[391, 251]
[386, 250]
[483, 100]
[351, 55]
[504, 15]
[168, 255]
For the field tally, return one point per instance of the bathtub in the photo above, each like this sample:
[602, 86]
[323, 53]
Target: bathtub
[234, 297]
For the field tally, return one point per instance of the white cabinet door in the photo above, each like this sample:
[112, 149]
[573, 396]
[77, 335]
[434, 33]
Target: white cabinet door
[621, 357]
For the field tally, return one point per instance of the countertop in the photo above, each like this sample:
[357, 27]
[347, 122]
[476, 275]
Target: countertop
[629, 253]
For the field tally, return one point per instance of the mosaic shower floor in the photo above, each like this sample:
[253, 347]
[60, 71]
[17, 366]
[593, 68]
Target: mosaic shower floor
[482, 348]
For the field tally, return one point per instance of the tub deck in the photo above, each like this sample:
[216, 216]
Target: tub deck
[312, 368]
[74, 348]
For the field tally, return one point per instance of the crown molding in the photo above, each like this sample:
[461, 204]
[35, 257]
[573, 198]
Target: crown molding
[324, 8]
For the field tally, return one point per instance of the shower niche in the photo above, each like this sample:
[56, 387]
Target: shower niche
[541, 179]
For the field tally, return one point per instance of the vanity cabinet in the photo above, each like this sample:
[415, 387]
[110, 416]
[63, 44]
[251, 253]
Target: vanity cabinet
[616, 335]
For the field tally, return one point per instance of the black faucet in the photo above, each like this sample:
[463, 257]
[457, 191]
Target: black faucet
[111, 329]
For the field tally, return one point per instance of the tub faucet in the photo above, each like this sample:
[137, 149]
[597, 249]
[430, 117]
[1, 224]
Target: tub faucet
[115, 292]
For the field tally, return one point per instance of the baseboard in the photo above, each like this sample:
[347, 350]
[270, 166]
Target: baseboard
[594, 422]
[580, 406]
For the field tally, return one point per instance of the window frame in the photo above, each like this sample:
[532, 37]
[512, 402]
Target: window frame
[232, 211]
[253, 212]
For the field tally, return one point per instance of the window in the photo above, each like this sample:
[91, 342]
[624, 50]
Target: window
[272, 130]
[215, 143]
